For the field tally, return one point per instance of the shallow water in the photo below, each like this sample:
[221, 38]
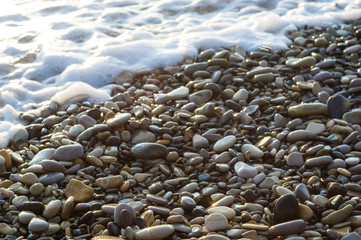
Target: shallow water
[66, 51]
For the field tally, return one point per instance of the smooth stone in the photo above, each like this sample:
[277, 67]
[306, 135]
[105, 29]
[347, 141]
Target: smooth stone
[302, 192]
[25, 217]
[214, 237]
[19, 200]
[187, 203]
[352, 236]
[216, 222]
[52, 209]
[36, 189]
[47, 153]
[308, 109]
[156, 232]
[124, 77]
[255, 152]
[125, 218]
[52, 166]
[75, 130]
[263, 78]
[149, 150]
[37, 225]
[286, 208]
[29, 178]
[320, 201]
[118, 216]
[69, 152]
[318, 161]
[179, 93]
[337, 105]
[304, 212]
[224, 143]
[315, 128]
[338, 215]
[67, 208]
[297, 135]
[52, 229]
[225, 201]
[280, 120]
[295, 159]
[241, 94]
[352, 49]
[353, 117]
[244, 170]
[142, 136]
[108, 238]
[110, 181]
[228, 212]
[118, 120]
[190, 69]
[8, 162]
[301, 62]
[322, 76]
[355, 221]
[267, 183]
[288, 228]
[6, 229]
[200, 97]
[33, 206]
[80, 191]
[50, 178]
[199, 142]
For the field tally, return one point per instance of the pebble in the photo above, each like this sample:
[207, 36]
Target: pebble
[297, 135]
[110, 182]
[287, 228]
[200, 97]
[216, 222]
[118, 120]
[50, 178]
[5, 229]
[156, 232]
[308, 109]
[286, 208]
[52, 166]
[318, 161]
[38, 225]
[301, 62]
[228, 212]
[149, 150]
[25, 217]
[69, 152]
[7, 157]
[80, 191]
[338, 215]
[315, 128]
[353, 117]
[179, 93]
[224, 143]
[119, 217]
[304, 212]
[254, 151]
[29, 178]
[337, 105]
[47, 153]
[244, 170]
[142, 136]
[199, 142]
[52, 209]
[295, 159]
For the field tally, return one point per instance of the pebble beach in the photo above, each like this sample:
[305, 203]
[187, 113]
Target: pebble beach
[227, 145]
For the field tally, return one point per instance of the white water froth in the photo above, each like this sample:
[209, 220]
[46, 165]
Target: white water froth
[66, 51]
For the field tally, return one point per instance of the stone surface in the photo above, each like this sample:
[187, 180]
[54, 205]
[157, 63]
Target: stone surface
[69, 152]
[286, 208]
[228, 212]
[244, 170]
[6, 156]
[288, 228]
[337, 105]
[118, 120]
[216, 222]
[338, 215]
[52, 209]
[80, 191]
[141, 136]
[308, 109]
[224, 143]
[156, 232]
[315, 128]
[318, 161]
[110, 181]
[295, 159]
[149, 150]
[200, 97]
[254, 151]
[353, 116]
[47, 153]
[38, 225]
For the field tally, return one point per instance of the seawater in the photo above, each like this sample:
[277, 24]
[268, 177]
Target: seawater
[67, 51]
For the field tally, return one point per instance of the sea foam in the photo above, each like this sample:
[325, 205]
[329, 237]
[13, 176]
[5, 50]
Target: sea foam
[68, 51]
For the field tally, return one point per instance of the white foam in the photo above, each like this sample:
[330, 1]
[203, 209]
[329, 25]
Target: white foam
[81, 46]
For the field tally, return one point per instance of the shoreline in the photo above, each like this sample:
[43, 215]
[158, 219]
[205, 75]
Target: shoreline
[234, 145]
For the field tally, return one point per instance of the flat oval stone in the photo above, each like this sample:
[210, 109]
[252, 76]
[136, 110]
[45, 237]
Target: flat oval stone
[304, 212]
[297, 135]
[224, 144]
[142, 136]
[301, 62]
[288, 228]
[38, 225]
[216, 222]
[353, 117]
[308, 109]
[50, 178]
[52, 209]
[29, 178]
[118, 210]
[7, 158]
[33, 206]
[338, 215]
[47, 153]
[52, 166]
[254, 151]
[286, 208]
[149, 150]
[69, 152]
[26, 216]
[156, 232]
[228, 212]
[118, 120]
[295, 159]
[318, 161]
[315, 128]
